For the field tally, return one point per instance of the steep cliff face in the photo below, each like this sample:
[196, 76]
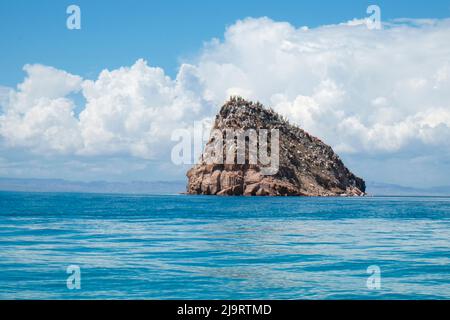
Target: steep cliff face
[306, 165]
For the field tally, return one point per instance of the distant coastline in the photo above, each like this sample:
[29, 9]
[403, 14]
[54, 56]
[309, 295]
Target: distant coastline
[177, 187]
[61, 185]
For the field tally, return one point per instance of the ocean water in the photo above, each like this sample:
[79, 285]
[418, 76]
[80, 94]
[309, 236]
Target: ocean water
[199, 247]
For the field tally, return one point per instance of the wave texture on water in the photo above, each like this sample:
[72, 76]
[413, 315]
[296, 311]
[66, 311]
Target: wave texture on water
[200, 247]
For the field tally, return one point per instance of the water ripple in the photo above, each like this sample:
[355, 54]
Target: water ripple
[183, 247]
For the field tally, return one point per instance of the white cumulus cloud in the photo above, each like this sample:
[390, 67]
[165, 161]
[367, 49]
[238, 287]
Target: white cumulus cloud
[134, 110]
[360, 90]
[128, 111]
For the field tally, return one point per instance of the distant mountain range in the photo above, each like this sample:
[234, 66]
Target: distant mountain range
[385, 189]
[59, 185]
[175, 187]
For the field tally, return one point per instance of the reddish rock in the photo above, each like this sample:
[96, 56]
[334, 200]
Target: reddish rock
[307, 166]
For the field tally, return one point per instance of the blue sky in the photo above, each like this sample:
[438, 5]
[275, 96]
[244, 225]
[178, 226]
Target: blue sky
[101, 103]
[117, 33]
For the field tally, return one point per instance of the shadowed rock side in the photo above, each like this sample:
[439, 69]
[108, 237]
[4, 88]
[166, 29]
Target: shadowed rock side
[307, 166]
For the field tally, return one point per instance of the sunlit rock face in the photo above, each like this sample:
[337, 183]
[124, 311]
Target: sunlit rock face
[305, 165]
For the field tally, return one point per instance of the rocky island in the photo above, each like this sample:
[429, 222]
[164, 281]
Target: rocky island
[306, 165]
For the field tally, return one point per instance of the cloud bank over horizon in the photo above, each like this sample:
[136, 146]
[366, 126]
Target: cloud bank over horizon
[373, 95]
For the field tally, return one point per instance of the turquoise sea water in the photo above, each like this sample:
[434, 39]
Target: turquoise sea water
[197, 247]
